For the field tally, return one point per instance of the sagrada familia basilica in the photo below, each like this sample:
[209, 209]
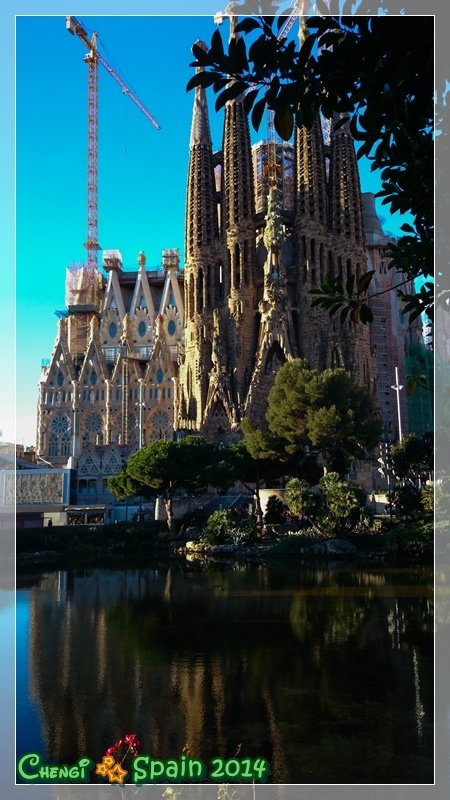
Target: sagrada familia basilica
[143, 355]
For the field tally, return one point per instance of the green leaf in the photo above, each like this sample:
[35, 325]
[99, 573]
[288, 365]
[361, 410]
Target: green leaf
[248, 24]
[344, 313]
[203, 79]
[350, 284]
[306, 49]
[194, 81]
[249, 99]
[257, 113]
[354, 315]
[217, 46]
[339, 123]
[407, 228]
[365, 314]
[233, 91]
[284, 124]
[203, 57]
[241, 55]
[364, 282]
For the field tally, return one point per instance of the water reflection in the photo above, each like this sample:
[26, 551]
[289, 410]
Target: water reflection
[327, 673]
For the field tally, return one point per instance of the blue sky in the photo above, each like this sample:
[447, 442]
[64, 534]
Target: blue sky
[142, 171]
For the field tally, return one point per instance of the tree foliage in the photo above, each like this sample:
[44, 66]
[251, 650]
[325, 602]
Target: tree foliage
[123, 486]
[345, 503]
[254, 461]
[374, 72]
[163, 467]
[275, 511]
[413, 457]
[406, 499]
[301, 501]
[327, 412]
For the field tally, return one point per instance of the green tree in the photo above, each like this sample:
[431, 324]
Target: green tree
[123, 485]
[164, 467]
[413, 457]
[325, 411]
[374, 73]
[428, 497]
[253, 461]
[275, 510]
[407, 500]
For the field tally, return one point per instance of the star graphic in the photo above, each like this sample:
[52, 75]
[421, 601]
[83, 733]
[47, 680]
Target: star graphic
[117, 774]
[101, 769]
[107, 763]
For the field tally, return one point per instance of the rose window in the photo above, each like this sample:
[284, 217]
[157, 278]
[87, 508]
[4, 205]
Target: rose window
[60, 424]
[160, 425]
[93, 423]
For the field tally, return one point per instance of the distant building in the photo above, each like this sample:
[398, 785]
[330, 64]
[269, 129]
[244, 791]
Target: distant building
[110, 379]
[420, 370]
[38, 492]
[391, 335]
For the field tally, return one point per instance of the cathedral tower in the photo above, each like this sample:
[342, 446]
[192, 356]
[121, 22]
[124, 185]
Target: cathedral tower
[351, 345]
[238, 236]
[204, 277]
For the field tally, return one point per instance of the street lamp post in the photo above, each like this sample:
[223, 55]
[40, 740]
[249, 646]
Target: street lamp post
[141, 405]
[141, 414]
[75, 411]
[397, 388]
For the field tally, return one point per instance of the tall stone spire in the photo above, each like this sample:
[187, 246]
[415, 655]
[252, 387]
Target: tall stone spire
[345, 192]
[203, 271]
[310, 195]
[347, 234]
[201, 205]
[311, 231]
[311, 181]
[238, 238]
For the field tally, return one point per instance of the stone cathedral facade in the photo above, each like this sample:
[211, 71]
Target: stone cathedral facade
[255, 245]
[149, 354]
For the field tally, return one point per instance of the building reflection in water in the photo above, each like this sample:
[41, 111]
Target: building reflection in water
[328, 674]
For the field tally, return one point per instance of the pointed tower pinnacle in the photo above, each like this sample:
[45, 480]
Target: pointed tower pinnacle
[345, 191]
[311, 181]
[202, 267]
[200, 131]
[201, 204]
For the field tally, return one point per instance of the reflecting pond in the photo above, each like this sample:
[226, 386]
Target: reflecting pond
[327, 672]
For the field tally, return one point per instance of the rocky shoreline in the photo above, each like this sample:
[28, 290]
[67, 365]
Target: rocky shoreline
[108, 547]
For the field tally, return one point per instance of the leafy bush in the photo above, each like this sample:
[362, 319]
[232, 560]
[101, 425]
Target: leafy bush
[218, 527]
[275, 511]
[407, 499]
[295, 543]
[301, 501]
[345, 505]
[410, 542]
[428, 497]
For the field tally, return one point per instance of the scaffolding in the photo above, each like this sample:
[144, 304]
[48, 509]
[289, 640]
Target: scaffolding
[171, 258]
[284, 158]
[112, 259]
[83, 287]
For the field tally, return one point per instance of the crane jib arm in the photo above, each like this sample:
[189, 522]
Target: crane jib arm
[75, 27]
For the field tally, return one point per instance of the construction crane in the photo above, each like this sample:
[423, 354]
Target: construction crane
[93, 58]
